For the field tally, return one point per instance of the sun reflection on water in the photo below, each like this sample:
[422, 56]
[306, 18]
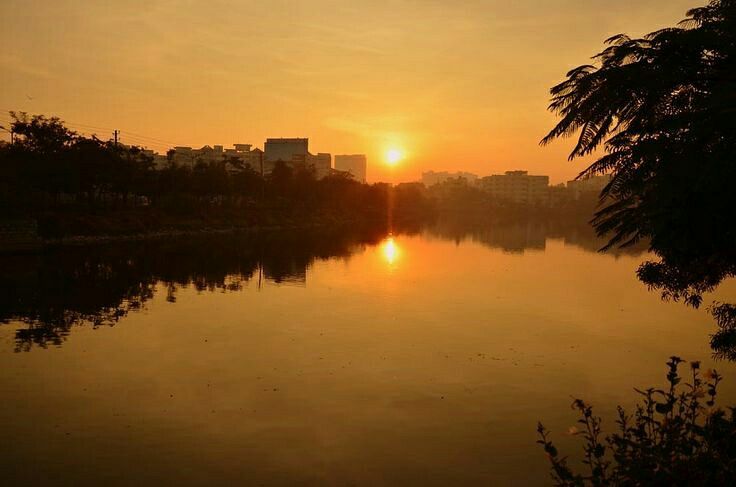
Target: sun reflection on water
[390, 250]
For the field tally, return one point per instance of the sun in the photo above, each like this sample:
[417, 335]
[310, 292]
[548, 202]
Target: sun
[393, 156]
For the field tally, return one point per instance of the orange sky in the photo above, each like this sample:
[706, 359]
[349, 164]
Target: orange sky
[455, 85]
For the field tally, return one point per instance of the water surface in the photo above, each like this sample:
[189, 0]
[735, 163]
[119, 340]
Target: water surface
[323, 358]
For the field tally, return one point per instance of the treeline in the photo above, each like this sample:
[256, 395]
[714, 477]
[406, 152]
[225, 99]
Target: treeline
[50, 169]
[77, 185]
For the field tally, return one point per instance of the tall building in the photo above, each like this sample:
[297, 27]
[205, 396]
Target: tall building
[355, 164]
[591, 185]
[518, 187]
[290, 151]
[321, 163]
[286, 150]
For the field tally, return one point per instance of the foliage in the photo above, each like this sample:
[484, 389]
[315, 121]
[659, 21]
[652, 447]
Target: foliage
[676, 436]
[663, 109]
[723, 342]
[51, 169]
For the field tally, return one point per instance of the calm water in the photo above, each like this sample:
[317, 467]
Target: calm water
[328, 358]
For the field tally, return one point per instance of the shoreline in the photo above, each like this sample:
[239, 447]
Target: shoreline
[30, 243]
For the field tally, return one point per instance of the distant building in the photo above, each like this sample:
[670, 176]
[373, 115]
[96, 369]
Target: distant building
[160, 161]
[246, 155]
[355, 164]
[182, 156]
[186, 156]
[518, 187]
[289, 151]
[431, 178]
[321, 163]
[592, 185]
[558, 195]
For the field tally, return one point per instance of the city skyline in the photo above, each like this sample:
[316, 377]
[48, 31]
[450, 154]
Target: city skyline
[454, 96]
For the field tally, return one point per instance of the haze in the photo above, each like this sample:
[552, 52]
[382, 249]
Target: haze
[459, 85]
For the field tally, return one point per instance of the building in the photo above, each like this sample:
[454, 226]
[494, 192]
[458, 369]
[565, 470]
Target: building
[290, 151]
[431, 178]
[518, 187]
[243, 153]
[321, 163]
[355, 164]
[182, 156]
[189, 157]
[592, 185]
[558, 195]
[246, 155]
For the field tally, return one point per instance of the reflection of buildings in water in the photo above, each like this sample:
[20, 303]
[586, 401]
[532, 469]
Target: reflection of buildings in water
[523, 235]
[516, 237]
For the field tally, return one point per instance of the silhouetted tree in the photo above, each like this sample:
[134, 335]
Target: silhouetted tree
[663, 109]
[49, 169]
[281, 179]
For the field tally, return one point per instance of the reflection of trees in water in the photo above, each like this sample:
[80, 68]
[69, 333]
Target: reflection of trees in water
[53, 291]
[58, 289]
[520, 235]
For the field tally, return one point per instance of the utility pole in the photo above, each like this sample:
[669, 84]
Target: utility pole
[263, 180]
[115, 134]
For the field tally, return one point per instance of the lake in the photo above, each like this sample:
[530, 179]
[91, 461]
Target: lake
[340, 357]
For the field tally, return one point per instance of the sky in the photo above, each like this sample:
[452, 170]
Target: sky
[458, 85]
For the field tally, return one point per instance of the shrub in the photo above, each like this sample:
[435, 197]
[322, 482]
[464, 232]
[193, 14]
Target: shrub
[675, 437]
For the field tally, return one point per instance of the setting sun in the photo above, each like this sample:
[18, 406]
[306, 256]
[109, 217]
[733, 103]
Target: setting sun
[393, 156]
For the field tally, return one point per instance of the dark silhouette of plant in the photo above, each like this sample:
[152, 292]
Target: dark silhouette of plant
[723, 342]
[676, 436]
[663, 109]
[57, 176]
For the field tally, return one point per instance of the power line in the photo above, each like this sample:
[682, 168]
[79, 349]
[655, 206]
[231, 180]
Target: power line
[85, 129]
[149, 138]
[127, 136]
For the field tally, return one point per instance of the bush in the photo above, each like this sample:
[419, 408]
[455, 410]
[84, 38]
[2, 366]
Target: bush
[675, 437]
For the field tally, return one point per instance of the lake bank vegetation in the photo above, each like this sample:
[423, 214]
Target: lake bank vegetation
[77, 185]
[661, 109]
[71, 185]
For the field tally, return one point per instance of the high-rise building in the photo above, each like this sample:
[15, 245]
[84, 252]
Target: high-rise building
[286, 150]
[321, 163]
[355, 164]
[518, 187]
